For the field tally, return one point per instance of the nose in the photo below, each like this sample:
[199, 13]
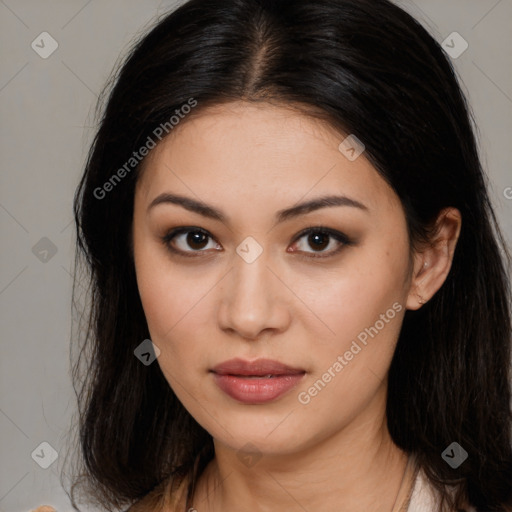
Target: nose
[253, 300]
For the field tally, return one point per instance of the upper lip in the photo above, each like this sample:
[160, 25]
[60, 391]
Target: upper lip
[257, 367]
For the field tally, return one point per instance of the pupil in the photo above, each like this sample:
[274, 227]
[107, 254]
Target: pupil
[194, 237]
[314, 239]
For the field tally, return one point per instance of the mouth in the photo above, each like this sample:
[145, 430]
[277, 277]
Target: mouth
[256, 382]
[260, 368]
[269, 376]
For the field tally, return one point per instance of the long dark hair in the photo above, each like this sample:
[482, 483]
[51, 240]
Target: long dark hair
[369, 69]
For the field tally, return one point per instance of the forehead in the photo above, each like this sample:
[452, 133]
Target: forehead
[259, 154]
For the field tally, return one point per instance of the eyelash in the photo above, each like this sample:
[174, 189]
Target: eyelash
[338, 236]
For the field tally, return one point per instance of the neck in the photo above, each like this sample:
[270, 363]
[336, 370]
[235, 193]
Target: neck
[356, 469]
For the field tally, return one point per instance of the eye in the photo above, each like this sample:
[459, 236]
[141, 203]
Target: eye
[188, 238]
[320, 238]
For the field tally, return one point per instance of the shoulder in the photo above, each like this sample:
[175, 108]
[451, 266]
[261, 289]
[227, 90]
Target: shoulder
[425, 499]
[168, 496]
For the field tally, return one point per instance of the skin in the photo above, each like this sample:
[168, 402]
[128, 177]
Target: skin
[250, 161]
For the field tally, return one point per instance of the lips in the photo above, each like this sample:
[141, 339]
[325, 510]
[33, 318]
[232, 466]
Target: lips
[258, 368]
[256, 382]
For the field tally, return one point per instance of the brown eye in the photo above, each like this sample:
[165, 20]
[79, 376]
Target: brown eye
[196, 239]
[320, 238]
[187, 241]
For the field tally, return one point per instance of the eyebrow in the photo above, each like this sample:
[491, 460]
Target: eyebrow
[300, 209]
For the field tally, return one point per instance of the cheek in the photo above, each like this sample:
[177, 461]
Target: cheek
[175, 306]
[352, 297]
[365, 311]
[363, 303]
[169, 300]
[159, 289]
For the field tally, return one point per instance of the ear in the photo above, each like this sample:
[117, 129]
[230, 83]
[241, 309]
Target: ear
[432, 263]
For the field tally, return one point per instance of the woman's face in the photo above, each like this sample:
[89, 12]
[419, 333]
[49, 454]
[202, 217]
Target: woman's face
[242, 282]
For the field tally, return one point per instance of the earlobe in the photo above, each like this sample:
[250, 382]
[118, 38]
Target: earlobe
[433, 264]
[421, 300]
[415, 299]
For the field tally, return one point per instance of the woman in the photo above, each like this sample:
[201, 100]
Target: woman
[298, 295]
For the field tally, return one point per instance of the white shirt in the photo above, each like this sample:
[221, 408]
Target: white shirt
[424, 498]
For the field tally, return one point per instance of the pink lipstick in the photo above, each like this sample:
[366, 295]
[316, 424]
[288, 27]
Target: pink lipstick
[256, 382]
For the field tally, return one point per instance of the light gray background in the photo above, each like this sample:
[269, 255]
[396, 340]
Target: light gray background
[46, 112]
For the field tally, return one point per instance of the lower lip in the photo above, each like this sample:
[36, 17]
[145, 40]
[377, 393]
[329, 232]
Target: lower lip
[250, 390]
